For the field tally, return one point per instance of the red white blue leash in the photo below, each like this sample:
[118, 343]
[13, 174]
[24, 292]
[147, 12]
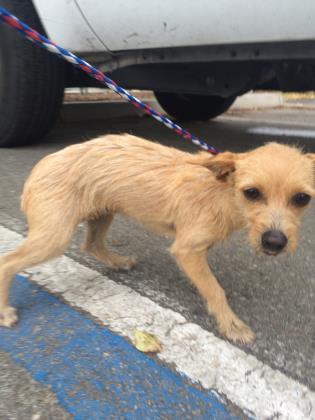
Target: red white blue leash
[41, 41]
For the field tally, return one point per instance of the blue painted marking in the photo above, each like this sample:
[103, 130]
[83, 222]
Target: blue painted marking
[94, 373]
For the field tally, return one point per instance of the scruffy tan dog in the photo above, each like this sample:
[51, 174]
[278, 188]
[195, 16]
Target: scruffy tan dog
[198, 199]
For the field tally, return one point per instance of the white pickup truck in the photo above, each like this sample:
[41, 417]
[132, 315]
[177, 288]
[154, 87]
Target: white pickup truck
[197, 56]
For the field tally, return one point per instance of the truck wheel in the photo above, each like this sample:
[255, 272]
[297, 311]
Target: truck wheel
[31, 82]
[188, 107]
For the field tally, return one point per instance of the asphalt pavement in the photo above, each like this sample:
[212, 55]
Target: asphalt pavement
[274, 296]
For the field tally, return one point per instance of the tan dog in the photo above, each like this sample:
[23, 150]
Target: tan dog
[197, 199]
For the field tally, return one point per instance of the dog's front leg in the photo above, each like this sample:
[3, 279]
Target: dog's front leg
[195, 265]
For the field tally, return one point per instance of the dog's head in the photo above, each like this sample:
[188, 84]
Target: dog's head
[273, 185]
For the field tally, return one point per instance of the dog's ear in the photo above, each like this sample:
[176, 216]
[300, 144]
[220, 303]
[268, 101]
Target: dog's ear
[222, 165]
[311, 156]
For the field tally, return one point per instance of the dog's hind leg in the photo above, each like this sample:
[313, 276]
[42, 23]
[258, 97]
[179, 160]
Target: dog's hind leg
[195, 266]
[40, 245]
[94, 245]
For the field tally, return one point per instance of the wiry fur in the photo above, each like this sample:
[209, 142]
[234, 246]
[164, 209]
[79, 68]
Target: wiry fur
[197, 199]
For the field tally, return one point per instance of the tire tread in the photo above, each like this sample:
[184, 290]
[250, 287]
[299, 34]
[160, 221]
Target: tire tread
[33, 82]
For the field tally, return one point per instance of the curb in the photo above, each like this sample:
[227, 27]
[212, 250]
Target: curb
[258, 100]
[75, 111]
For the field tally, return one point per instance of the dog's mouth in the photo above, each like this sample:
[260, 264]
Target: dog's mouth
[271, 253]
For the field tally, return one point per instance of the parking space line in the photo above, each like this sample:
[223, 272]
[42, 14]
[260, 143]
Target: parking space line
[199, 354]
[94, 373]
[282, 132]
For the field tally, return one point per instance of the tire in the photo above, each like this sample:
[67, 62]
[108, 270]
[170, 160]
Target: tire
[31, 82]
[188, 107]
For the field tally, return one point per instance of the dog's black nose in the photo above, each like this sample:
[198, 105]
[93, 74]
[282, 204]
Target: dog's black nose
[273, 241]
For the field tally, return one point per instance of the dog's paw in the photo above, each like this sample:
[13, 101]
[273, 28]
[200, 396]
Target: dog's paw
[8, 317]
[123, 263]
[238, 332]
[112, 260]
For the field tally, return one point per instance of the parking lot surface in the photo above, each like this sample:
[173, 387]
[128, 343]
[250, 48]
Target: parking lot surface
[273, 378]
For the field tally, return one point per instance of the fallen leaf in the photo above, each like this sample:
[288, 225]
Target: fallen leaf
[146, 342]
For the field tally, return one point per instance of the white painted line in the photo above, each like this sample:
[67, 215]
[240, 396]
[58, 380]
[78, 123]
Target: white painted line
[277, 121]
[282, 132]
[199, 354]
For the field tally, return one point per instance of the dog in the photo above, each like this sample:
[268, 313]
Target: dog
[198, 199]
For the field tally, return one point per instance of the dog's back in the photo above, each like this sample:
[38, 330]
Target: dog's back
[118, 173]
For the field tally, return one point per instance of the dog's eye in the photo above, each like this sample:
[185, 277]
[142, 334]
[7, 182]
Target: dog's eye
[252, 194]
[301, 199]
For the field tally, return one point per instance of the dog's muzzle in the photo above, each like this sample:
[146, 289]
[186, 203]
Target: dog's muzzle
[273, 242]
